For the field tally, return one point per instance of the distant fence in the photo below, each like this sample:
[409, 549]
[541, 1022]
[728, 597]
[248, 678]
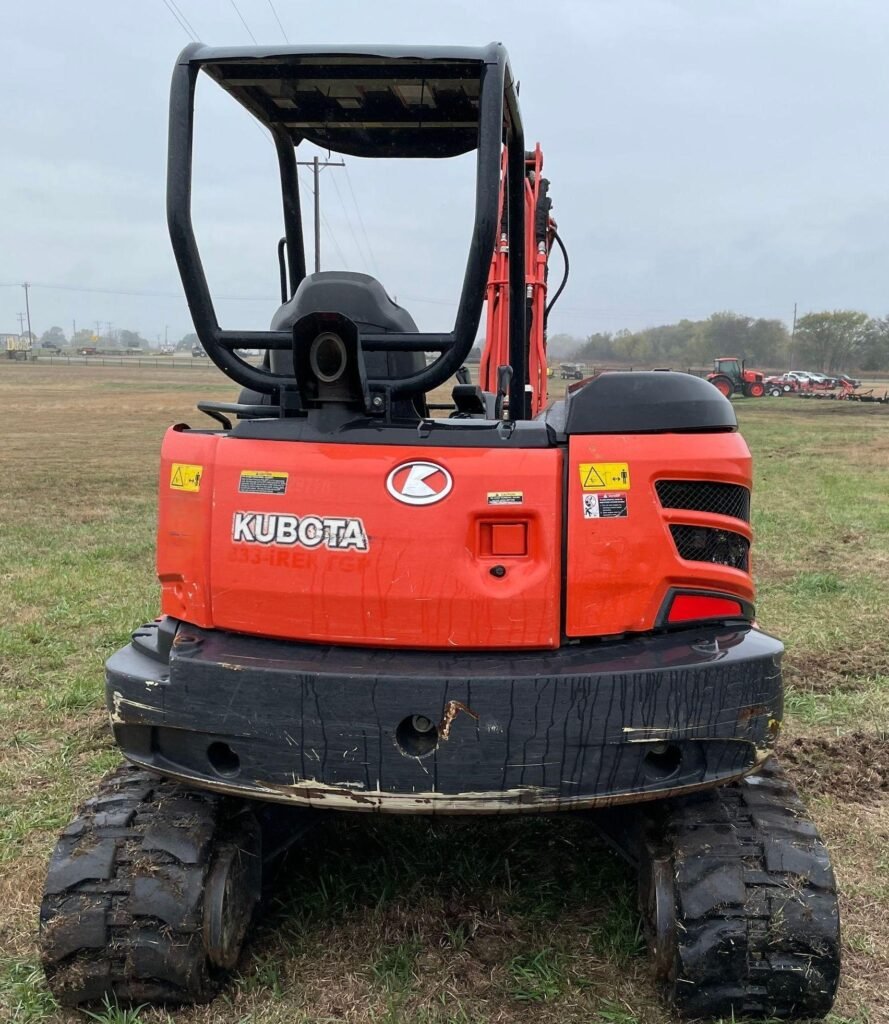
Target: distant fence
[162, 362]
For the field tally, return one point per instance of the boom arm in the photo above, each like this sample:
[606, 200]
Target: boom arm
[539, 233]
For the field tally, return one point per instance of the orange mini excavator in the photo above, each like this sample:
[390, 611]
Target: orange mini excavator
[521, 607]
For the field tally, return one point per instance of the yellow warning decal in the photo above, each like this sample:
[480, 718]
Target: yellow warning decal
[261, 481]
[185, 477]
[604, 476]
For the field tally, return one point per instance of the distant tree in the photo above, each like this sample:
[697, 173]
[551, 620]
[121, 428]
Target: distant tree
[731, 334]
[187, 343]
[83, 338]
[873, 349]
[132, 339]
[841, 340]
[54, 336]
[831, 341]
[558, 345]
[599, 346]
[768, 343]
[635, 348]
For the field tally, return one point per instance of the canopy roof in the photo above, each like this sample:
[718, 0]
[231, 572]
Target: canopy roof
[361, 101]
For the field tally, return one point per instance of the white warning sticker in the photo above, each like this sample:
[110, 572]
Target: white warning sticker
[604, 506]
[505, 497]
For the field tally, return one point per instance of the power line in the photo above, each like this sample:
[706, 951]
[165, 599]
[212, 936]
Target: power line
[182, 24]
[280, 26]
[373, 258]
[361, 254]
[336, 246]
[134, 292]
[241, 16]
[317, 165]
[189, 25]
[635, 313]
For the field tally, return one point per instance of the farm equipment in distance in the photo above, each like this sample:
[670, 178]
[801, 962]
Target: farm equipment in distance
[519, 608]
[807, 385]
[731, 377]
[571, 371]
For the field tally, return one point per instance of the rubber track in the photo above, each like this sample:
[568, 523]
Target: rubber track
[758, 923]
[122, 910]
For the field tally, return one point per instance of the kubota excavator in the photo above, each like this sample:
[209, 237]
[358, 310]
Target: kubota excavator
[524, 607]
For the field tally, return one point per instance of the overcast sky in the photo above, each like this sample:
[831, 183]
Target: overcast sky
[704, 155]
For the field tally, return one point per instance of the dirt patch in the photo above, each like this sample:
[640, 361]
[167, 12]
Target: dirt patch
[849, 768]
[839, 670]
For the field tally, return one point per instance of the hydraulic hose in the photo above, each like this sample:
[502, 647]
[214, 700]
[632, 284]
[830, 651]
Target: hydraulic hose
[561, 287]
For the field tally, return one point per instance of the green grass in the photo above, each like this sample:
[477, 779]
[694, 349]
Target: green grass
[394, 967]
[538, 977]
[112, 1013]
[396, 920]
[842, 708]
[23, 992]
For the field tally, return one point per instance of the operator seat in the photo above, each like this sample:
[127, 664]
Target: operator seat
[365, 301]
[361, 298]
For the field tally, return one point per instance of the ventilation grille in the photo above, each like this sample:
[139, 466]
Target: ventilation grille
[705, 496]
[703, 544]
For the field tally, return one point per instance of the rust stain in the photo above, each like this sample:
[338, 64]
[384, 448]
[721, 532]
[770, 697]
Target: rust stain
[752, 711]
[452, 709]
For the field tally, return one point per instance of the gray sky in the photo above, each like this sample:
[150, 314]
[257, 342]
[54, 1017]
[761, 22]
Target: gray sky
[704, 155]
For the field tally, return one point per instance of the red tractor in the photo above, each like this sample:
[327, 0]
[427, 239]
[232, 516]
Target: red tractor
[731, 377]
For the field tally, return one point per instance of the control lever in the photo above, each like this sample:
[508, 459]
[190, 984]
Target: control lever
[504, 376]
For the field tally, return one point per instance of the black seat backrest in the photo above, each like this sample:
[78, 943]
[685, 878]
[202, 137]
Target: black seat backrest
[361, 298]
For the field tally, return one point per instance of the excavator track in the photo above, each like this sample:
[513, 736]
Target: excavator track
[149, 893]
[740, 903]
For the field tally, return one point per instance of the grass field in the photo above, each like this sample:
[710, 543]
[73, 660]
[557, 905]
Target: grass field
[403, 920]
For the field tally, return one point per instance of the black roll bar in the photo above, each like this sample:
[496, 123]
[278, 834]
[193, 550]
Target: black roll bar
[499, 122]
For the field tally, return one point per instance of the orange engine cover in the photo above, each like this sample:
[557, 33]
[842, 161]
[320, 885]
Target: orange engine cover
[622, 561]
[374, 545]
[443, 547]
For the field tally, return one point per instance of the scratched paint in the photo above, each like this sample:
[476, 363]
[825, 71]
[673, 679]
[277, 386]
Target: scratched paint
[520, 800]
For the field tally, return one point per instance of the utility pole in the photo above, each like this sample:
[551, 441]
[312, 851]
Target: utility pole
[26, 286]
[98, 329]
[317, 166]
[792, 335]
[21, 324]
[73, 330]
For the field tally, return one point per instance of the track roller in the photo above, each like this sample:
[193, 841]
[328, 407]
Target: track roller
[149, 893]
[739, 902]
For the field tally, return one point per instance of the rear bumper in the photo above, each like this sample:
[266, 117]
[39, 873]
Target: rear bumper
[436, 732]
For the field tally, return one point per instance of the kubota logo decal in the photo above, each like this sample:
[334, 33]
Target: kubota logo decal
[332, 532]
[419, 483]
